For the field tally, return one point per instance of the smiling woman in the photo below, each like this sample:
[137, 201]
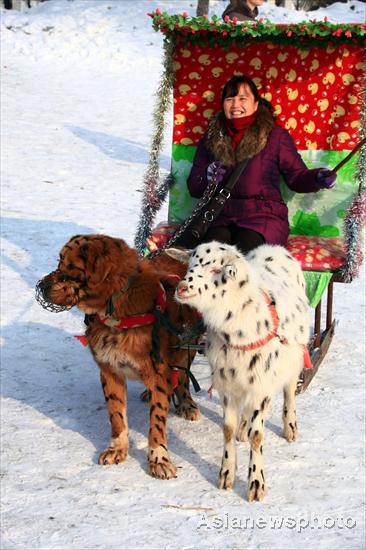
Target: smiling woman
[239, 103]
[245, 129]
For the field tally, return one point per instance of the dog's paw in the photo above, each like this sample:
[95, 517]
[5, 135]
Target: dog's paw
[290, 432]
[112, 456]
[160, 465]
[188, 410]
[163, 470]
[226, 478]
[256, 490]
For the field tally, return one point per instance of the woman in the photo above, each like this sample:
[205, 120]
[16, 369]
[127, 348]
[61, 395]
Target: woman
[245, 128]
[243, 10]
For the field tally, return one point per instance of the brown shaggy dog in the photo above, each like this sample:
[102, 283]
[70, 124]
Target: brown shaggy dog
[107, 280]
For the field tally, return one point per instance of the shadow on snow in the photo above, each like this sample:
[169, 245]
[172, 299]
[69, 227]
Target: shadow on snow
[118, 148]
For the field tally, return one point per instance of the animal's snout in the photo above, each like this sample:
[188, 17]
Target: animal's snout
[42, 286]
[43, 291]
[182, 289]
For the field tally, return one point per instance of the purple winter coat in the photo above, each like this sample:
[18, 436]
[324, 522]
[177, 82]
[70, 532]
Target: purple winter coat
[256, 202]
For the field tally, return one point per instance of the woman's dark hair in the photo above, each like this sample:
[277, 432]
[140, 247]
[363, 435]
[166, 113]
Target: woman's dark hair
[231, 89]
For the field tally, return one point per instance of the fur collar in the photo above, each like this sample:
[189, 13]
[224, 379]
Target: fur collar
[254, 140]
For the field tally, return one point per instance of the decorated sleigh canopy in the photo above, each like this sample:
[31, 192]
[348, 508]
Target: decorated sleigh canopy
[313, 73]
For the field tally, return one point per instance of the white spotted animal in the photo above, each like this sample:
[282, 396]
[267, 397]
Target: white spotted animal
[257, 318]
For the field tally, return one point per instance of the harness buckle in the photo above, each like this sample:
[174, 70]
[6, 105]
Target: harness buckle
[225, 193]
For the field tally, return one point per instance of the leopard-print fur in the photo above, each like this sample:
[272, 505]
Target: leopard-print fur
[91, 269]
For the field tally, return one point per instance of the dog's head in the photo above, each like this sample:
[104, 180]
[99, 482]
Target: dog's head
[215, 272]
[89, 269]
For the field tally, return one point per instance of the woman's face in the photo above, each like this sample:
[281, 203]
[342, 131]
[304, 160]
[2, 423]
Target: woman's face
[242, 104]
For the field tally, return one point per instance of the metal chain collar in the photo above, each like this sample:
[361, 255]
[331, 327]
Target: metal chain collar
[206, 197]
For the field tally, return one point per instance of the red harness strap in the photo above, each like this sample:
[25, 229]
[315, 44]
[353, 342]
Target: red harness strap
[273, 334]
[270, 335]
[134, 321]
[82, 339]
[174, 377]
[307, 359]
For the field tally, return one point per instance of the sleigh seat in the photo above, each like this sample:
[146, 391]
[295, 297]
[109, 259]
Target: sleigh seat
[314, 81]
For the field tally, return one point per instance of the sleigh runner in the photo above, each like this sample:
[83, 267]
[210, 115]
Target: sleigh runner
[313, 74]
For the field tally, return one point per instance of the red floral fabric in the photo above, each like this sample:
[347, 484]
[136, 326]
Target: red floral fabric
[315, 92]
[313, 253]
[317, 253]
[160, 236]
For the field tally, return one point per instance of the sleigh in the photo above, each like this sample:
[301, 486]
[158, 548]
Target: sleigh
[313, 74]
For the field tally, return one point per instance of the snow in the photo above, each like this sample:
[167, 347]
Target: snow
[78, 92]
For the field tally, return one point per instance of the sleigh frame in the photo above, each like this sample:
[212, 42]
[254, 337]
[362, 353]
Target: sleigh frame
[314, 75]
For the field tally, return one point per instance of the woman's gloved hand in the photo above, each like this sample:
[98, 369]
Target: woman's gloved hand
[326, 178]
[216, 171]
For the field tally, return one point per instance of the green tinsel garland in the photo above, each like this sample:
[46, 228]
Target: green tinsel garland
[354, 221]
[361, 164]
[210, 32]
[154, 191]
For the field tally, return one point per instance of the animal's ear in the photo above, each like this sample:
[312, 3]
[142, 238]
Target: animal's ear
[101, 268]
[179, 254]
[230, 271]
[99, 260]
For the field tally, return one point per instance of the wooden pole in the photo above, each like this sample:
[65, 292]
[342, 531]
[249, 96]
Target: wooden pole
[202, 7]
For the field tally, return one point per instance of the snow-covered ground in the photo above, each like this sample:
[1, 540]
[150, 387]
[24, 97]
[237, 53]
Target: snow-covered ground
[78, 83]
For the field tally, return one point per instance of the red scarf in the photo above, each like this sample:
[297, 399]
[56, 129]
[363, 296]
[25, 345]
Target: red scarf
[236, 127]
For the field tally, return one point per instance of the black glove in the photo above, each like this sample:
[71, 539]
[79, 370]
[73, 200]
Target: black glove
[326, 178]
[216, 171]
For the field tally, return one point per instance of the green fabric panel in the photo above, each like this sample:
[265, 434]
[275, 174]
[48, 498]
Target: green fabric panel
[318, 213]
[184, 152]
[322, 213]
[181, 203]
[316, 284]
